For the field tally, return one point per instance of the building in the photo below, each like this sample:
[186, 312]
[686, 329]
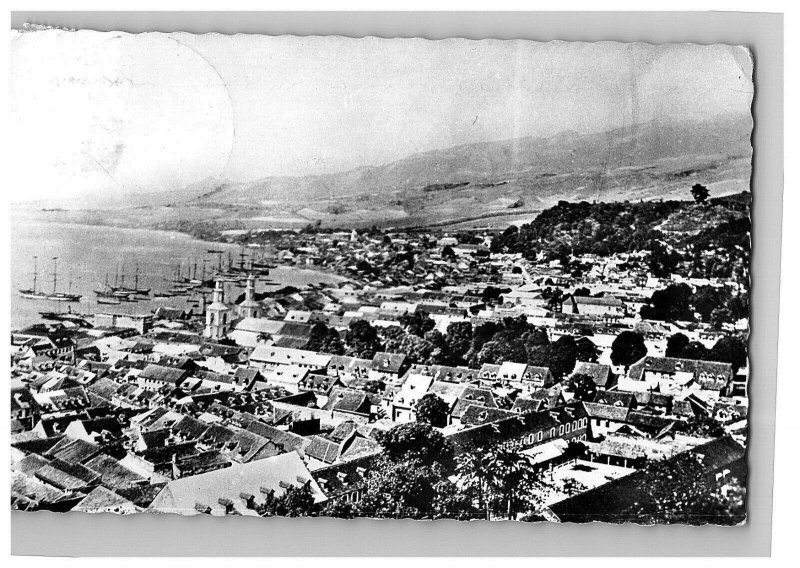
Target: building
[218, 314]
[249, 307]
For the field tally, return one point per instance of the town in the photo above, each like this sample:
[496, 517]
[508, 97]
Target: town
[570, 370]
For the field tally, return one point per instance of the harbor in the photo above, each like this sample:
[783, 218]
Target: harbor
[127, 271]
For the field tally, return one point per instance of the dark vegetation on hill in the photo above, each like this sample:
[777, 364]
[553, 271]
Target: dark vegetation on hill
[710, 239]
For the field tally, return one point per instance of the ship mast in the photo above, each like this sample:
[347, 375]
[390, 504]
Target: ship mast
[35, 272]
[55, 273]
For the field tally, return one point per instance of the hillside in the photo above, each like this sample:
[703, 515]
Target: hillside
[490, 183]
[703, 240]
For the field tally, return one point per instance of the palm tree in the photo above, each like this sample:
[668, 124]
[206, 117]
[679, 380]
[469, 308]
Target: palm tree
[471, 467]
[511, 478]
[499, 476]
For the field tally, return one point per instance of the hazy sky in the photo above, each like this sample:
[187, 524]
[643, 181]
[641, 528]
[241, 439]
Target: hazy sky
[154, 112]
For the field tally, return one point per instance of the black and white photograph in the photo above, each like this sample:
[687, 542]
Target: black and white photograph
[323, 276]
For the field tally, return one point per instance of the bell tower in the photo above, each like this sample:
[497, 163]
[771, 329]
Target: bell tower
[249, 308]
[218, 314]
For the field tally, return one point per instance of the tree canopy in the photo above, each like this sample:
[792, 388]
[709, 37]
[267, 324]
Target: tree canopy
[628, 348]
[432, 410]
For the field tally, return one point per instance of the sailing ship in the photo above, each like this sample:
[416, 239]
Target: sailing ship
[132, 291]
[112, 294]
[55, 296]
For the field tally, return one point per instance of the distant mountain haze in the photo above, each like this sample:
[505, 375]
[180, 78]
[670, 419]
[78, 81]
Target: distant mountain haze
[488, 184]
[708, 141]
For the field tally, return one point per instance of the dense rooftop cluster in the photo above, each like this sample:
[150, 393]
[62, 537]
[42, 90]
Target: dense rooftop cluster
[439, 353]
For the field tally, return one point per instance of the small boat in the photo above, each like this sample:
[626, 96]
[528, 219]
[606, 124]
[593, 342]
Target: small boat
[109, 301]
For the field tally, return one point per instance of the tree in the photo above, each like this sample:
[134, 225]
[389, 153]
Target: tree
[447, 252]
[676, 344]
[628, 348]
[587, 351]
[700, 193]
[583, 387]
[703, 426]
[492, 295]
[432, 410]
[706, 299]
[417, 323]
[729, 349]
[695, 350]
[339, 509]
[411, 489]
[325, 340]
[575, 450]
[671, 303]
[501, 349]
[459, 339]
[511, 481]
[393, 337]
[362, 340]
[501, 480]
[418, 350]
[416, 441]
[563, 355]
[678, 490]
[295, 502]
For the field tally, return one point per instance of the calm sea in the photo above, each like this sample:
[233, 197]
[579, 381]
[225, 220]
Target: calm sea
[87, 253]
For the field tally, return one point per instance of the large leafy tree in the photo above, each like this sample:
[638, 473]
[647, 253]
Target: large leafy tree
[563, 355]
[695, 350]
[627, 348]
[412, 477]
[678, 490]
[583, 387]
[417, 323]
[362, 340]
[417, 441]
[700, 193]
[432, 410]
[587, 351]
[325, 340]
[459, 339]
[671, 303]
[296, 501]
[730, 349]
[676, 344]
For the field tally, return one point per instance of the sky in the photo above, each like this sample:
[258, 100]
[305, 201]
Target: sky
[99, 113]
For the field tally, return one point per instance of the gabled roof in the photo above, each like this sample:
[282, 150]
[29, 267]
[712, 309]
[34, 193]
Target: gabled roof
[229, 484]
[72, 450]
[707, 370]
[600, 373]
[471, 395]
[388, 362]
[102, 500]
[348, 400]
[323, 449]
[475, 415]
[163, 374]
[112, 473]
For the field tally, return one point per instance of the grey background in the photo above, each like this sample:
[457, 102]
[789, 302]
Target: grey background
[168, 535]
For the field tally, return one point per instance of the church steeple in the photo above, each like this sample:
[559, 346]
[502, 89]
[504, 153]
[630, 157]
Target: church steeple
[218, 317]
[249, 308]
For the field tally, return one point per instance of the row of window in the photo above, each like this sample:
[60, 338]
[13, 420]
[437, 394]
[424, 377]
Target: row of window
[562, 429]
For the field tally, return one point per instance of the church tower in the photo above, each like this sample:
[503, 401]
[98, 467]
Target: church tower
[218, 314]
[249, 308]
